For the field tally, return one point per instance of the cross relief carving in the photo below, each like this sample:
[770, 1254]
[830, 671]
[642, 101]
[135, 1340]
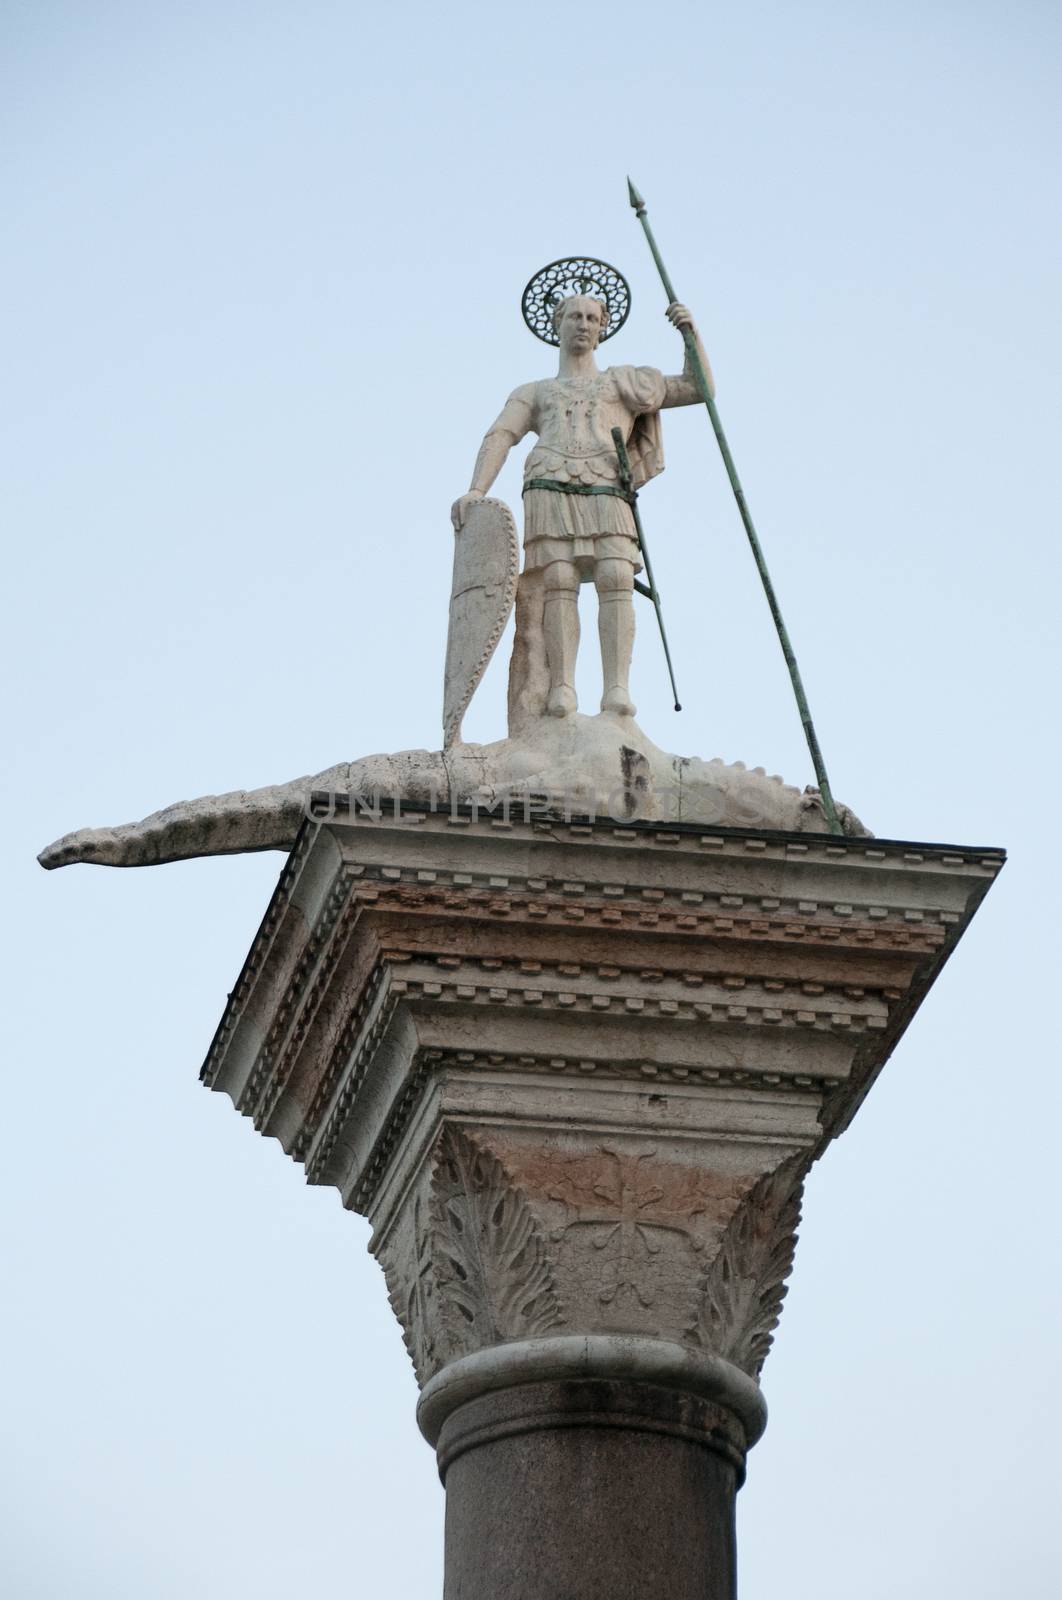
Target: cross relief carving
[628, 1212]
[517, 1242]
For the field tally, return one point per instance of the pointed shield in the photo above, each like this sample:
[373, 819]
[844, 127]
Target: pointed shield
[486, 562]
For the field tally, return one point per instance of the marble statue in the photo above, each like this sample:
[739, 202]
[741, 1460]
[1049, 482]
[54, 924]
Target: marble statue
[578, 527]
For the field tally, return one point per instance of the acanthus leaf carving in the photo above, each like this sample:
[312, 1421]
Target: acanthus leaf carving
[493, 1278]
[410, 1289]
[744, 1285]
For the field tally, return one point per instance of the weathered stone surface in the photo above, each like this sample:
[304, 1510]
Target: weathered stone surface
[578, 524]
[486, 562]
[574, 1058]
[602, 764]
[590, 1491]
[580, 763]
[575, 1074]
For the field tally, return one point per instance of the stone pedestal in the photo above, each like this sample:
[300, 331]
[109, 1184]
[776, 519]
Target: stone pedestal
[574, 1074]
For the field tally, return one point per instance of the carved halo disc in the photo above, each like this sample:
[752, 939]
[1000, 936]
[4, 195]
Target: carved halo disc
[575, 275]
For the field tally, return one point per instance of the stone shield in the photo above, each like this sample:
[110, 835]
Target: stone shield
[486, 562]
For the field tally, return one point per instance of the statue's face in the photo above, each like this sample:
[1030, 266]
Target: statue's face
[580, 327]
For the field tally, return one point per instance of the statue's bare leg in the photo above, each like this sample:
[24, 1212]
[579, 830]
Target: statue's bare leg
[560, 627]
[614, 581]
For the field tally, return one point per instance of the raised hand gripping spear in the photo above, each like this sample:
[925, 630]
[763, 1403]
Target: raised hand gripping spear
[696, 367]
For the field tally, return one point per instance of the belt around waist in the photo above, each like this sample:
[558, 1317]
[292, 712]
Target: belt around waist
[557, 487]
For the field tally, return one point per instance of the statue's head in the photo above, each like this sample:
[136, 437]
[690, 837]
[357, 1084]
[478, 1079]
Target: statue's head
[579, 321]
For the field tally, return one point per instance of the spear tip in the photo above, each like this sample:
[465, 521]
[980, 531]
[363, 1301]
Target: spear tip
[635, 198]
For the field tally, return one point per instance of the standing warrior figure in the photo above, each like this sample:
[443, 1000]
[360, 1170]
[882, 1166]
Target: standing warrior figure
[578, 524]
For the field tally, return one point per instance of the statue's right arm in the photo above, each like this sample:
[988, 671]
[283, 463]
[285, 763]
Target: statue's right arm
[683, 389]
[510, 427]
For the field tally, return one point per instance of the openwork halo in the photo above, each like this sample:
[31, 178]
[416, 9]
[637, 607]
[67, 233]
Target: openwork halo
[563, 279]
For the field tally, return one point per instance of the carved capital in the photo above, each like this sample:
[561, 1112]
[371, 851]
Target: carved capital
[574, 1073]
[740, 1293]
[472, 1267]
[507, 1238]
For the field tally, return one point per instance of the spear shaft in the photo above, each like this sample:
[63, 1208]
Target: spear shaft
[696, 366]
[649, 589]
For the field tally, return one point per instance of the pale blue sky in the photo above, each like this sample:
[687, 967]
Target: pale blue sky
[261, 272]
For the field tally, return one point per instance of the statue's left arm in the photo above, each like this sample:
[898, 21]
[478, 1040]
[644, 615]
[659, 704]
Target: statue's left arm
[682, 390]
[513, 423]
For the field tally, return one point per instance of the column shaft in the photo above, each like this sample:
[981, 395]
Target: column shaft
[590, 1490]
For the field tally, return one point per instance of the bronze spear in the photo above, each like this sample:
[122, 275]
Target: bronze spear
[697, 368]
[649, 589]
